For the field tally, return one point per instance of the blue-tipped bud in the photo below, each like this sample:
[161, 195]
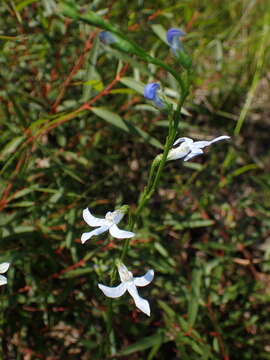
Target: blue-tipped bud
[106, 37]
[150, 93]
[173, 36]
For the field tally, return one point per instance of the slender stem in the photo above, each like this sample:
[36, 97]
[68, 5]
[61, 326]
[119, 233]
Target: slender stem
[109, 347]
[160, 160]
[155, 173]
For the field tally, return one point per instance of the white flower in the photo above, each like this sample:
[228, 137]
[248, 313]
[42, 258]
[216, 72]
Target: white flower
[129, 283]
[3, 268]
[108, 223]
[188, 148]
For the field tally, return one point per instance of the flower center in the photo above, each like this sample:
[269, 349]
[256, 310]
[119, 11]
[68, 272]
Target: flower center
[184, 148]
[125, 275]
[111, 216]
[179, 152]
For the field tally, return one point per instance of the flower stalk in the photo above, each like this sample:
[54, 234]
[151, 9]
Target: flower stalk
[157, 167]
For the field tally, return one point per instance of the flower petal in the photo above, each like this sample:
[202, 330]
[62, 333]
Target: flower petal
[193, 153]
[107, 37]
[120, 234]
[183, 139]
[141, 303]
[178, 153]
[174, 33]
[4, 267]
[113, 292]
[117, 216]
[87, 235]
[150, 93]
[124, 274]
[3, 280]
[201, 144]
[223, 137]
[158, 102]
[150, 90]
[92, 220]
[145, 279]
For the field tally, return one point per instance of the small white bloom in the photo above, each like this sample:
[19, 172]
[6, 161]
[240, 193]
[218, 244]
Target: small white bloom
[108, 223]
[3, 268]
[188, 148]
[130, 283]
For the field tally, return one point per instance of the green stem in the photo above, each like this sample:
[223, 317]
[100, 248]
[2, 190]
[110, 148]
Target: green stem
[154, 178]
[152, 183]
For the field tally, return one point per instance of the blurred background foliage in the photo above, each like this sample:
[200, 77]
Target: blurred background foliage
[206, 230]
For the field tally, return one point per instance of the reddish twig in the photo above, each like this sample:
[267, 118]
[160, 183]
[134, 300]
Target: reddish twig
[75, 69]
[217, 332]
[248, 256]
[154, 15]
[54, 276]
[192, 20]
[31, 352]
[86, 106]
[4, 200]
[67, 269]
[107, 88]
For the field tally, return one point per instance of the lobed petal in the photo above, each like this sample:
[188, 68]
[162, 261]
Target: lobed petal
[120, 234]
[123, 272]
[201, 144]
[118, 216]
[150, 91]
[87, 235]
[223, 137]
[107, 37]
[113, 292]
[178, 153]
[92, 220]
[183, 139]
[4, 267]
[174, 33]
[193, 153]
[145, 279]
[3, 280]
[158, 102]
[141, 303]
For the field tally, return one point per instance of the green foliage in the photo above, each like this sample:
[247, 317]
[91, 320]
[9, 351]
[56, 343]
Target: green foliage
[205, 231]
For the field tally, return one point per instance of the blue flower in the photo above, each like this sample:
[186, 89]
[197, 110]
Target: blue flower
[174, 41]
[106, 37]
[150, 93]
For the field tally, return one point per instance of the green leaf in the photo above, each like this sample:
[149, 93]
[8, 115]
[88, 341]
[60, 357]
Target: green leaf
[161, 250]
[136, 85]
[160, 31]
[147, 342]
[167, 309]
[93, 80]
[193, 304]
[121, 41]
[131, 60]
[11, 146]
[20, 6]
[22, 204]
[77, 272]
[117, 121]
[190, 224]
